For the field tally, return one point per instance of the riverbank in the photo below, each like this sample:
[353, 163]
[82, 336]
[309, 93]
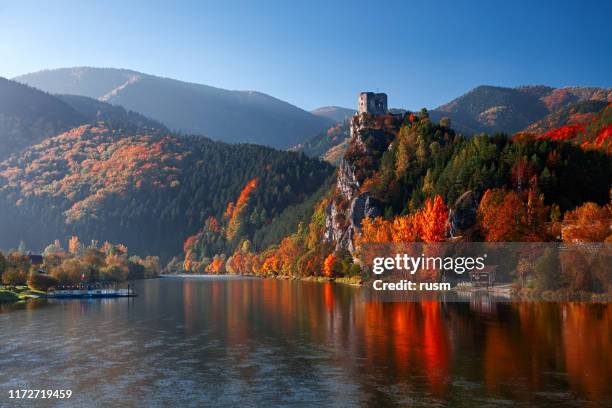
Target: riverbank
[506, 291]
[11, 294]
[353, 280]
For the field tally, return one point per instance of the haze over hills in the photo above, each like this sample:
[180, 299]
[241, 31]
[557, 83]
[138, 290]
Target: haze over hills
[94, 110]
[230, 116]
[28, 115]
[335, 113]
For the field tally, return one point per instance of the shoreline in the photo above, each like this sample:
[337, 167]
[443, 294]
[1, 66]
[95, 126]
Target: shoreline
[505, 291]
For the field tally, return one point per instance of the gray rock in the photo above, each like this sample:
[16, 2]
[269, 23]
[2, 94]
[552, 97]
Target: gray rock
[462, 215]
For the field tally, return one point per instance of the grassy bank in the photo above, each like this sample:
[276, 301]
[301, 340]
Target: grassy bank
[10, 294]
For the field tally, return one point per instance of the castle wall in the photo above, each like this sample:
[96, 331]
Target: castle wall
[372, 103]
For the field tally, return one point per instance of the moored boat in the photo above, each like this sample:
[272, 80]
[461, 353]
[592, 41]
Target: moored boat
[81, 293]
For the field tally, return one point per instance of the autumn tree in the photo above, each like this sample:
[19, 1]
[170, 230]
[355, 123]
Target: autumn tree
[236, 210]
[328, 265]
[217, 266]
[432, 220]
[14, 277]
[375, 230]
[536, 215]
[404, 229]
[41, 281]
[587, 223]
[271, 264]
[521, 173]
[288, 251]
[499, 215]
[74, 245]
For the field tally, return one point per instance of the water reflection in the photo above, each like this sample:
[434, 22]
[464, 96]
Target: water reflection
[252, 341]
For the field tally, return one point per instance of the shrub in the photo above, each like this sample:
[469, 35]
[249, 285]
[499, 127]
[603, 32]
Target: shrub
[14, 277]
[41, 281]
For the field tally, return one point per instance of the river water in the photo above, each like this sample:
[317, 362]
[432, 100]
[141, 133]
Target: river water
[263, 342]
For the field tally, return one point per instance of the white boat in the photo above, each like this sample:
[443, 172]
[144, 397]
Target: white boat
[91, 293]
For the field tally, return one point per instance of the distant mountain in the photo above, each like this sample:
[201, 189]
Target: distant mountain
[335, 113]
[230, 116]
[147, 188]
[28, 115]
[494, 109]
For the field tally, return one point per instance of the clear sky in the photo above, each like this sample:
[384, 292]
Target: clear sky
[314, 53]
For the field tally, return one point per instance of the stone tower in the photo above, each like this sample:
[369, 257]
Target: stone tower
[372, 103]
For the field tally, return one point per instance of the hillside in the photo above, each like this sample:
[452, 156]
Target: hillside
[95, 110]
[145, 187]
[411, 179]
[329, 140]
[28, 115]
[580, 124]
[571, 114]
[335, 113]
[230, 116]
[491, 109]
[488, 109]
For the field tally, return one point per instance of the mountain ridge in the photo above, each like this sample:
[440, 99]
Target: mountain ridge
[29, 115]
[493, 109]
[221, 114]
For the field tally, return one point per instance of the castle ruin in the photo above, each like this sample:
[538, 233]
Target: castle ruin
[372, 103]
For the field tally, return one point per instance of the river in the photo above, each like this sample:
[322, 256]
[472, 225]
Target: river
[234, 341]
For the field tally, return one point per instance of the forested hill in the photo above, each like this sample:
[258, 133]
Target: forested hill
[492, 109]
[28, 115]
[95, 110]
[146, 188]
[407, 178]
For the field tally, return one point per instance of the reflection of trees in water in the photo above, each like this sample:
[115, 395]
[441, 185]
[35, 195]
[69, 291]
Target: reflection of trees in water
[587, 337]
[415, 349]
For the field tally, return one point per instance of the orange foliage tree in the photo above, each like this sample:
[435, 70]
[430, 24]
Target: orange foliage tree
[328, 265]
[511, 216]
[588, 223]
[287, 252]
[217, 266]
[271, 264]
[375, 230]
[428, 224]
[404, 229]
[234, 211]
[432, 220]
[499, 214]
[73, 244]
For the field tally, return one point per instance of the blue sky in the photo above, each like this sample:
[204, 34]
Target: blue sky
[314, 53]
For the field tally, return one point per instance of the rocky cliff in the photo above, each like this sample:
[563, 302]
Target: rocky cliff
[370, 136]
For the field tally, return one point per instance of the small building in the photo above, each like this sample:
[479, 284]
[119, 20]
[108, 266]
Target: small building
[483, 277]
[372, 103]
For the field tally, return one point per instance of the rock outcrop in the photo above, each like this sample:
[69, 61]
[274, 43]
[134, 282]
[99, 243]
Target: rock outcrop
[351, 205]
[462, 216]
